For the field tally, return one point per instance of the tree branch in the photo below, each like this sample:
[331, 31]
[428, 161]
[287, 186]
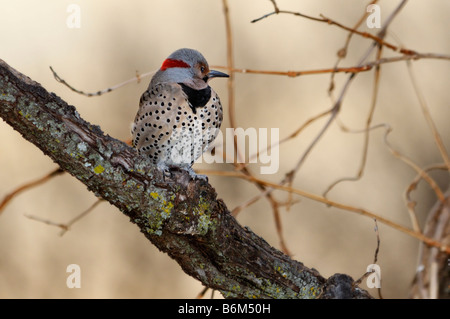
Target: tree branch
[180, 216]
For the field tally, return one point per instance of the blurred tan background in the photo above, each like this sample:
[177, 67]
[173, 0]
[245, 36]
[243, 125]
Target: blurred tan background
[115, 39]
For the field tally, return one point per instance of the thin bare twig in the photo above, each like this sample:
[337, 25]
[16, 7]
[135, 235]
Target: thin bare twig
[287, 138]
[366, 130]
[342, 53]
[367, 273]
[427, 115]
[230, 64]
[46, 221]
[378, 38]
[231, 109]
[275, 6]
[423, 174]
[77, 218]
[287, 12]
[65, 226]
[363, 67]
[377, 250]
[202, 293]
[411, 204]
[431, 261]
[137, 78]
[27, 186]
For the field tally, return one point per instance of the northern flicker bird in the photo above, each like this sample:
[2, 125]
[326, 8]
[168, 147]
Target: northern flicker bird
[179, 114]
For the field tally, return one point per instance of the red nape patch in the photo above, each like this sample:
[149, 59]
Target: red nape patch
[169, 63]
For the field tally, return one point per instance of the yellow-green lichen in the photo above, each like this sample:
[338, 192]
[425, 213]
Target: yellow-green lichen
[203, 206]
[27, 116]
[309, 289]
[154, 195]
[314, 291]
[204, 219]
[162, 209]
[166, 207]
[99, 169]
[78, 156]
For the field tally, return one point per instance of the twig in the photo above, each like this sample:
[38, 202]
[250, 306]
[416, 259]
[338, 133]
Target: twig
[289, 137]
[352, 69]
[378, 38]
[342, 53]
[28, 185]
[275, 6]
[426, 114]
[375, 259]
[411, 204]
[431, 261]
[366, 130]
[66, 226]
[288, 12]
[231, 110]
[202, 293]
[423, 174]
[46, 221]
[137, 78]
[279, 228]
[230, 64]
[77, 218]
[377, 250]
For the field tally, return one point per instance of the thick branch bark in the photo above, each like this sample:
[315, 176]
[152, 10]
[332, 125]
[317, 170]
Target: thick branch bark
[180, 216]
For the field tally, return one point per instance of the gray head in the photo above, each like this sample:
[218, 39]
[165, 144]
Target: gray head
[186, 66]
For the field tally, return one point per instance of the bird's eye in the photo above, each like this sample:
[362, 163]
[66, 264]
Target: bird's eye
[202, 69]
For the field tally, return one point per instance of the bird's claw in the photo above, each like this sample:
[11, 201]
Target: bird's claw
[167, 171]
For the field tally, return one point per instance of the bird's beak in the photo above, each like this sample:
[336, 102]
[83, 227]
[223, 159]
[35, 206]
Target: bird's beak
[217, 74]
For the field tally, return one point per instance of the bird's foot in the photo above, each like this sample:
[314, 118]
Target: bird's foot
[195, 176]
[167, 171]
